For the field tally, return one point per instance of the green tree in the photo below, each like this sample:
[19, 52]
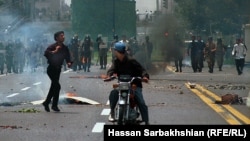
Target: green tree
[226, 16]
[104, 17]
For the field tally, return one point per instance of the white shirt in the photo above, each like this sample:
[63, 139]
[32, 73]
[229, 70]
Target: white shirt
[239, 51]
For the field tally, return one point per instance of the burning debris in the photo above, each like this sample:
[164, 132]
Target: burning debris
[72, 98]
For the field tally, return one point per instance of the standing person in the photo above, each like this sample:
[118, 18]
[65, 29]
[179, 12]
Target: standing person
[19, 58]
[241, 40]
[98, 41]
[178, 52]
[239, 52]
[103, 54]
[210, 54]
[2, 57]
[192, 51]
[75, 52]
[126, 65]
[56, 53]
[128, 47]
[220, 52]
[43, 46]
[112, 46]
[201, 46]
[134, 45]
[87, 46]
[148, 46]
[9, 56]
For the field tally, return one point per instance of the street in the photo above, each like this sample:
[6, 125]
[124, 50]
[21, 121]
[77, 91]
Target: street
[169, 98]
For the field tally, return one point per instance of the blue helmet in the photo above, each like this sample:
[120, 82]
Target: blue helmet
[120, 47]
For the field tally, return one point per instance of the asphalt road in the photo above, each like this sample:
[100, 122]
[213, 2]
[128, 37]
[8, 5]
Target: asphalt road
[168, 96]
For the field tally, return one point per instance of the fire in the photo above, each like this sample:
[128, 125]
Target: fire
[70, 94]
[103, 76]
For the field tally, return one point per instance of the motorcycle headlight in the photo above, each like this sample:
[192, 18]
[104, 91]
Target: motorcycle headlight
[124, 94]
[124, 86]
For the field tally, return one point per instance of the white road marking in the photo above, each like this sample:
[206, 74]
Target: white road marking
[24, 89]
[38, 102]
[14, 94]
[107, 102]
[37, 83]
[105, 112]
[98, 128]
[67, 71]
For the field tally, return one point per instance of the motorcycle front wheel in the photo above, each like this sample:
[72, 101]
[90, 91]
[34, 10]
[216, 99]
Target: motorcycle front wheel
[122, 113]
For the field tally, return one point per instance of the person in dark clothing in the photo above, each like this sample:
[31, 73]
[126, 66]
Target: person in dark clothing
[2, 56]
[9, 56]
[193, 51]
[209, 53]
[221, 49]
[200, 53]
[126, 65]
[56, 53]
[98, 42]
[148, 48]
[103, 54]
[178, 52]
[74, 49]
[87, 46]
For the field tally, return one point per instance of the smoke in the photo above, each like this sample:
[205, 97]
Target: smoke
[166, 27]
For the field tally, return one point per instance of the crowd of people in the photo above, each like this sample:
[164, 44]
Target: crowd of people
[81, 50]
[17, 56]
[214, 52]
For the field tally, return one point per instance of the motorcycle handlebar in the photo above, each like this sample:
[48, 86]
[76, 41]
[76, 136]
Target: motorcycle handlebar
[133, 78]
[109, 78]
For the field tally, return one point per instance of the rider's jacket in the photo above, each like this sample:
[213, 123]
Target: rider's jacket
[128, 66]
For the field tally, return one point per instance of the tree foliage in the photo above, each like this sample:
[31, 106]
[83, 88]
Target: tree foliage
[106, 17]
[226, 16]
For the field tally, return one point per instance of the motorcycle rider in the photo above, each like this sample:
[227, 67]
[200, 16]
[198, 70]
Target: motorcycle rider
[125, 65]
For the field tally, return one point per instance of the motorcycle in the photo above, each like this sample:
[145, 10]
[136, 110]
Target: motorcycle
[126, 111]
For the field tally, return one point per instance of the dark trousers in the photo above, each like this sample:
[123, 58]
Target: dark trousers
[1, 64]
[178, 63]
[194, 62]
[103, 61]
[103, 57]
[87, 64]
[113, 98]
[210, 62]
[200, 61]
[239, 65]
[55, 87]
